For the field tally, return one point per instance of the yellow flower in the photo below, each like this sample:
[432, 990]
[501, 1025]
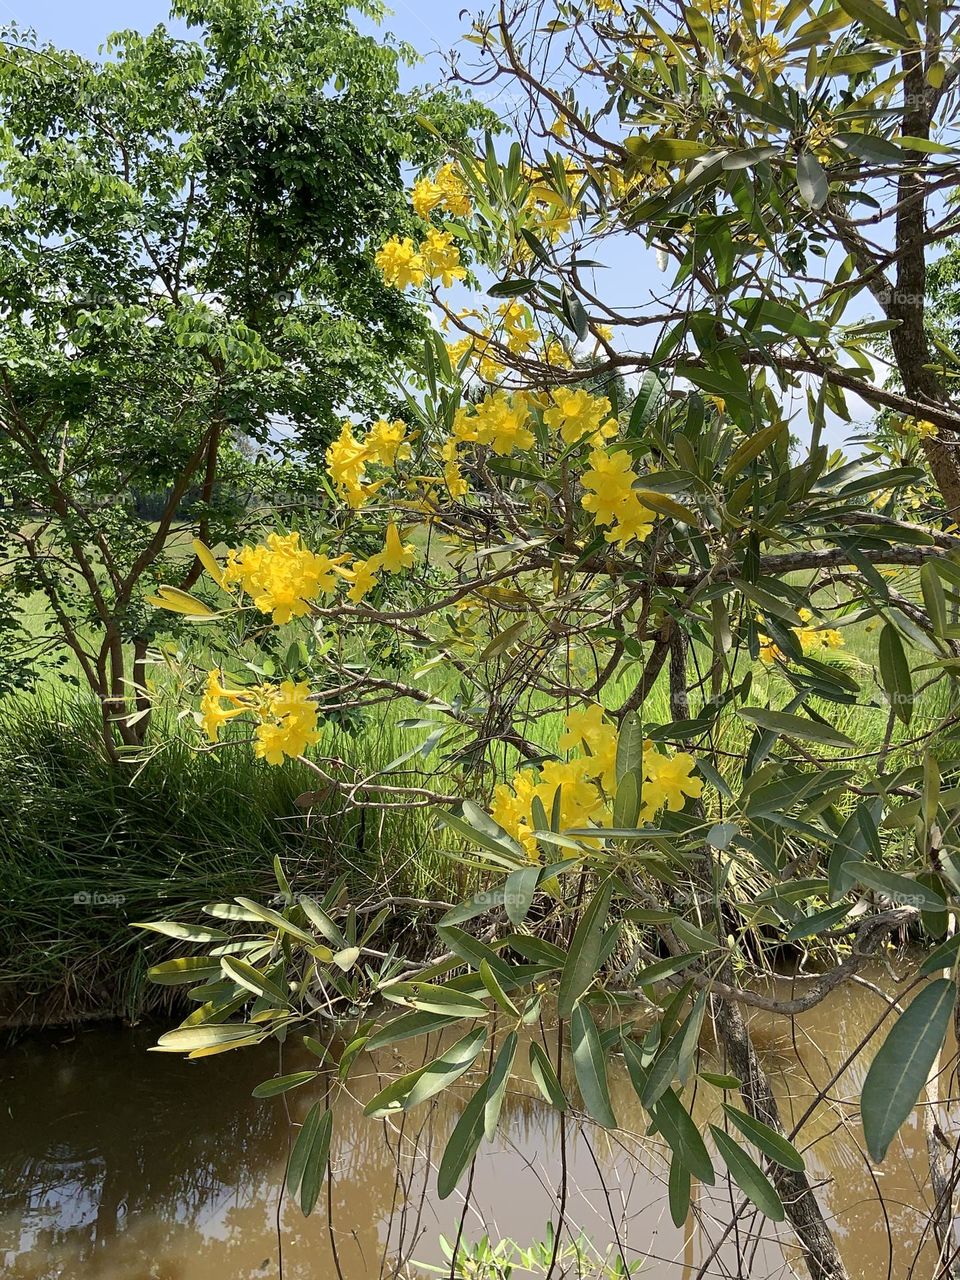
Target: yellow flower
[346, 459]
[633, 520]
[386, 442]
[769, 652]
[921, 428]
[499, 420]
[609, 483]
[288, 722]
[400, 264]
[576, 414]
[441, 257]
[396, 555]
[212, 713]
[281, 577]
[667, 781]
[457, 486]
[362, 576]
[425, 197]
[456, 197]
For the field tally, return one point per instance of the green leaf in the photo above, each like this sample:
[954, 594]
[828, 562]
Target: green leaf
[497, 1085]
[187, 932]
[269, 916]
[878, 20]
[902, 890]
[812, 180]
[630, 745]
[462, 1144]
[415, 1087]
[175, 973]
[679, 1191]
[280, 1084]
[190, 1039]
[308, 1159]
[934, 598]
[674, 1122]
[895, 673]
[409, 1026]
[518, 891]
[750, 449]
[782, 722]
[489, 980]
[247, 976]
[590, 1067]
[748, 1176]
[583, 958]
[317, 916]
[474, 825]
[432, 998]
[545, 1078]
[773, 1145]
[626, 803]
[899, 1071]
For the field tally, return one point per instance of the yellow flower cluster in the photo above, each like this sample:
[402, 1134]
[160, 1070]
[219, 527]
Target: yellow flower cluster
[611, 498]
[287, 719]
[586, 782]
[347, 458]
[441, 257]
[811, 639]
[921, 428]
[281, 577]
[499, 420]
[447, 189]
[521, 334]
[401, 263]
[576, 414]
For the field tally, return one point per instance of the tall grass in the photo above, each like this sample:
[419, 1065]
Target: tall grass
[87, 847]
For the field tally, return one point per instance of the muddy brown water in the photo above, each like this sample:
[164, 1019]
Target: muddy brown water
[119, 1164]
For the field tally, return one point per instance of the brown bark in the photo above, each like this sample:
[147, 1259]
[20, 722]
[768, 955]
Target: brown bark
[820, 1251]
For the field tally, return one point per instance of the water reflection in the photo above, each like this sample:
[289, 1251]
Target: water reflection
[118, 1164]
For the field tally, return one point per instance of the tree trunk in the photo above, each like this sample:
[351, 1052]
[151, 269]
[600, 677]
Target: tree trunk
[820, 1252]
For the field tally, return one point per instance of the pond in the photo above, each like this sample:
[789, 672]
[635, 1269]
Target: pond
[119, 1164]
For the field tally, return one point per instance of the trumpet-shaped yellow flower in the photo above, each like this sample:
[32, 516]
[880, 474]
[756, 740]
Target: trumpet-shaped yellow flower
[609, 482]
[633, 521]
[362, 576]
[500, 421]
[425, 197]
[456, 194]
[213, 714]
[400, 263]
[396, 555]
[288, 722]
[441, 258]
[667, 781]
[281, 577]
[576, 414]
[386, 442]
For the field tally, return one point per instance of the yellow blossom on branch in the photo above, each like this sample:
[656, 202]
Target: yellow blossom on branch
[281, 577]
[441, 258]
[576, 414]
[400, 263]
[396, 555]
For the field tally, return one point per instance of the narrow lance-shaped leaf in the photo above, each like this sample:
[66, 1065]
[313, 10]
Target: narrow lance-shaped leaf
[900, 1069]
[590, 1067]
[748, 1176]
[583, 958]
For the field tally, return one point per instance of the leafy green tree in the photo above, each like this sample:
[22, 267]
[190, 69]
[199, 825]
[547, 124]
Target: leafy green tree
[186, 279]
